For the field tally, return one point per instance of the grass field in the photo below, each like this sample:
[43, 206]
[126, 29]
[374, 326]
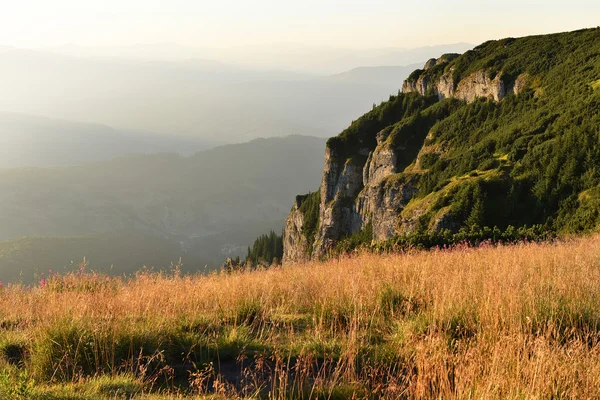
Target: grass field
[517, 322]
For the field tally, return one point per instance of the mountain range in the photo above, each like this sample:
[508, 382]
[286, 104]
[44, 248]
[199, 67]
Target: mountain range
[203, 207]
[27, 140]
[216, 102]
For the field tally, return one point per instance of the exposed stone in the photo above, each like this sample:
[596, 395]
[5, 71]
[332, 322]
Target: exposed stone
[479, 84]
[382, 203]
[380, 164]
[445, 86]
[340, 185]
[421, 85]
[520, 83]
[409, 86]
[432, 62]
[295, 245]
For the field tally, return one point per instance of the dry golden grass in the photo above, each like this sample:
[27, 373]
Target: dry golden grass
[492, 322]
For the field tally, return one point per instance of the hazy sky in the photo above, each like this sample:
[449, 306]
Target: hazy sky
[227, 23]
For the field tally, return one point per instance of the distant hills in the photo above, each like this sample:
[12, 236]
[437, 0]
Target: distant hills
[388, 75]
[26, 260]
[299, 58]
[218, 102]
[35, 141]
[209, 205]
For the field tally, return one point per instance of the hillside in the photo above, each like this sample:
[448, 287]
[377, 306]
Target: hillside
[390, 76]
[503, 135]
[27, 141]
[211, 205]
[490, 322]
[28, 260]
[191, 97]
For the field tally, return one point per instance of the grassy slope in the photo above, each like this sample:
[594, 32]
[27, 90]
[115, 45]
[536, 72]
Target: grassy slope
[497, 322]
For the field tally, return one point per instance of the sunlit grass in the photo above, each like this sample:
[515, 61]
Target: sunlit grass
[517, 321]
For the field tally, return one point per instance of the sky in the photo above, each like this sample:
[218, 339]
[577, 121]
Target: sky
[232, 23]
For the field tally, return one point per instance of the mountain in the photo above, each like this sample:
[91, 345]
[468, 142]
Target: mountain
[210, 205]
[327, 60]
[300, 58]
[214, 101]
[23, 260]
[505, 135]
[35, 141]
[390, 76]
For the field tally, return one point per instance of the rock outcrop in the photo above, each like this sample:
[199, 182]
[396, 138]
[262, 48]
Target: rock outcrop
[478, 84]
[430, 64]
[380, 205]
[295, 243]
[368, 187]
[341, 183]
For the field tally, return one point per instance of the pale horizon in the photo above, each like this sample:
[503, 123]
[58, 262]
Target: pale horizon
[233, 23]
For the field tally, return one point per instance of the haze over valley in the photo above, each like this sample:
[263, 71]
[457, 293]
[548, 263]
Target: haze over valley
[195, 98]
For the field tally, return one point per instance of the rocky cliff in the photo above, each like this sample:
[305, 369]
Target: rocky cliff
[479, 84]
[427, 158]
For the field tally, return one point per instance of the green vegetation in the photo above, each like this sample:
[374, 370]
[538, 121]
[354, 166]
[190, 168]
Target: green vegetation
[309, 207]
[267, 249]
[362, 133]
[445, 238]
[530, 159]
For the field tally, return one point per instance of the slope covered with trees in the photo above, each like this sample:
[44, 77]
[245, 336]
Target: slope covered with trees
[503, 135]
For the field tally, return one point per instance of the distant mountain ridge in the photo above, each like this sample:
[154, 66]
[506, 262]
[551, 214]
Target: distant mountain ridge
[390, 75]
[36, 141]
[203, 207]
[217, 102]
[306, 59]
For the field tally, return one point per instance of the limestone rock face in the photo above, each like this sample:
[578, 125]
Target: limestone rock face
[352, 195]
[479, 84]
[295, 244]
[432, 62]
[381, 204]
[445, 86]
[520, 83]
[381, 162]
[421, 85]
[468, 89]
[342, 181]
[409, 86]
